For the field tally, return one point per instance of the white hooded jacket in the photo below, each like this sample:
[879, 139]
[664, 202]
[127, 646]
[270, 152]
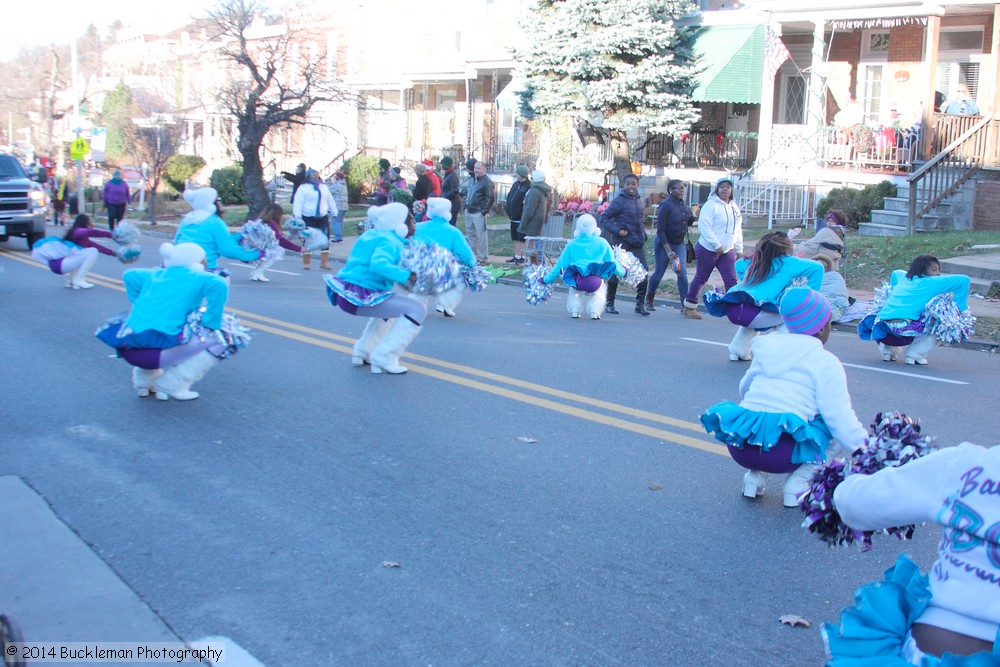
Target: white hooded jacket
[721, 225]
[794, 373]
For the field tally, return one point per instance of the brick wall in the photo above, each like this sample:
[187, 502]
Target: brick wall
[713, 116]
[906, 43]
[986, 209]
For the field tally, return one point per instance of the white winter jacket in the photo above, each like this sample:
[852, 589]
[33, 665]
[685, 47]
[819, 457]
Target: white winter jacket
[793, 373]
[721, 225]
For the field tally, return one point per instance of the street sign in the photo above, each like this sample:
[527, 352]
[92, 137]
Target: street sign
[98, 142]
[78, 149]
[95, 178]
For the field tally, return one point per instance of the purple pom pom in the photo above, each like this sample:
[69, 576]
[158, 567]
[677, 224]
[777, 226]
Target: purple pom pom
[895, 440]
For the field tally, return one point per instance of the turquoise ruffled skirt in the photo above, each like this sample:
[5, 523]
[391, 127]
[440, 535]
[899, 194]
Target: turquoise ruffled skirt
[739, 427]
[874, 631]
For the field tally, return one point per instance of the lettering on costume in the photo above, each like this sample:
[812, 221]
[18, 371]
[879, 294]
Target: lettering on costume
[971, 483]
[980, 573]
[965, 523]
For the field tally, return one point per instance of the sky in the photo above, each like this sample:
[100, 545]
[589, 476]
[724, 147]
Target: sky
[61, 21]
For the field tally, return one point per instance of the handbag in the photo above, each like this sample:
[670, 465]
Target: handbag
[689, 249]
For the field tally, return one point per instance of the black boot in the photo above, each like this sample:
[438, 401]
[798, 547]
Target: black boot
[609, 308]
[650, 306]
[640, 309]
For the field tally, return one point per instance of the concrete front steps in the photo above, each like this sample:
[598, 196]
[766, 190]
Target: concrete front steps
[983, 270]
[891, 221]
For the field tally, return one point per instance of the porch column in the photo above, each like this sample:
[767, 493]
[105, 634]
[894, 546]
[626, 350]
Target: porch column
[764, 133]
[931, 38]
[989, 94]
[816, 104]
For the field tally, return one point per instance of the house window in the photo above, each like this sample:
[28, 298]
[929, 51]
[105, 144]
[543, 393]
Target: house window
[871, 79]
[331, 55]
[792, 107]
[959, 53]
[875, 44]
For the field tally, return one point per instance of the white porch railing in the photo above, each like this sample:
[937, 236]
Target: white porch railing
[781, 203]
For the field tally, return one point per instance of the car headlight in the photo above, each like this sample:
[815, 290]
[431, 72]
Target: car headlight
[37, 198]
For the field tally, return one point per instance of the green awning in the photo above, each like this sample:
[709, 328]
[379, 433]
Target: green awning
[733, 56]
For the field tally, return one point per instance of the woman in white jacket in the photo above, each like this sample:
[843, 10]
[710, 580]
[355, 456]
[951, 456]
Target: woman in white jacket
[720, 225]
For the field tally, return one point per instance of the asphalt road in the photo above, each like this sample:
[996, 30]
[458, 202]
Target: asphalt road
[541, 482]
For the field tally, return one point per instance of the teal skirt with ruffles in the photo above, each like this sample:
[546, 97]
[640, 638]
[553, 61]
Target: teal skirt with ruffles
[874, 631]
[739, 427]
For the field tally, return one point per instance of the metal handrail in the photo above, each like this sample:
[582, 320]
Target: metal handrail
[938, 169]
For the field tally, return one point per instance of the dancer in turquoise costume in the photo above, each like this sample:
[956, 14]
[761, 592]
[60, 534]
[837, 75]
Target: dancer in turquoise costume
[438, 229]
[584, 265]
[795, 401]
[752, 304]
[910, 618]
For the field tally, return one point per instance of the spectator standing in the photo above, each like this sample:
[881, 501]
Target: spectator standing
[296, 179]
[384, 183]
[339, 191]
[477, 207]
[116, 198]
[313, 205]
[435, 179]
[720, 223]
[535, 211]
[962, 104]
[423, 187]
[450, 188]
[622, 224]
[673, 219]
[514, 206]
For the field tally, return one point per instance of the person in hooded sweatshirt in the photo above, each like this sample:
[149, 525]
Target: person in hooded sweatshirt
[720, 225]
[795, 402]
[585, 263]
[203, 227]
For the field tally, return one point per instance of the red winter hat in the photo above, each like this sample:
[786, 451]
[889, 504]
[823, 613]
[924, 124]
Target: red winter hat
[428, 162]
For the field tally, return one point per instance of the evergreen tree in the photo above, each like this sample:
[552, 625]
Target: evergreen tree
[626, 59]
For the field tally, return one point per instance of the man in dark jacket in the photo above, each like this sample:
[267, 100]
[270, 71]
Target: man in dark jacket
[672, 221]
[477, 207]
[514, 205]
[622, 225]
[535, 212]
[296, 179]
[449, 188]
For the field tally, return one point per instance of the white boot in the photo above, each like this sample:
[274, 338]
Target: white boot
[89, 257]
[889, 353]
[918, 349]
[797, 484]
[385, 357]
[369, 340]
[176, 381]
[258, 275]
[144, 381]
[594, 303]
[447, 300]
[753, 483]
[739, 348]
[574, 303]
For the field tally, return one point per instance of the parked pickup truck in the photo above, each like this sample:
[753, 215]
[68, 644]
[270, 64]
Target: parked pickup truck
[22, 203]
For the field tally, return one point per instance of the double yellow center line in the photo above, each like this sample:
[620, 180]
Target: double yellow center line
[637, 421]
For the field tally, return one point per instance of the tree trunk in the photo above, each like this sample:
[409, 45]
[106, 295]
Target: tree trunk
[619, 150]
[253, 179]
